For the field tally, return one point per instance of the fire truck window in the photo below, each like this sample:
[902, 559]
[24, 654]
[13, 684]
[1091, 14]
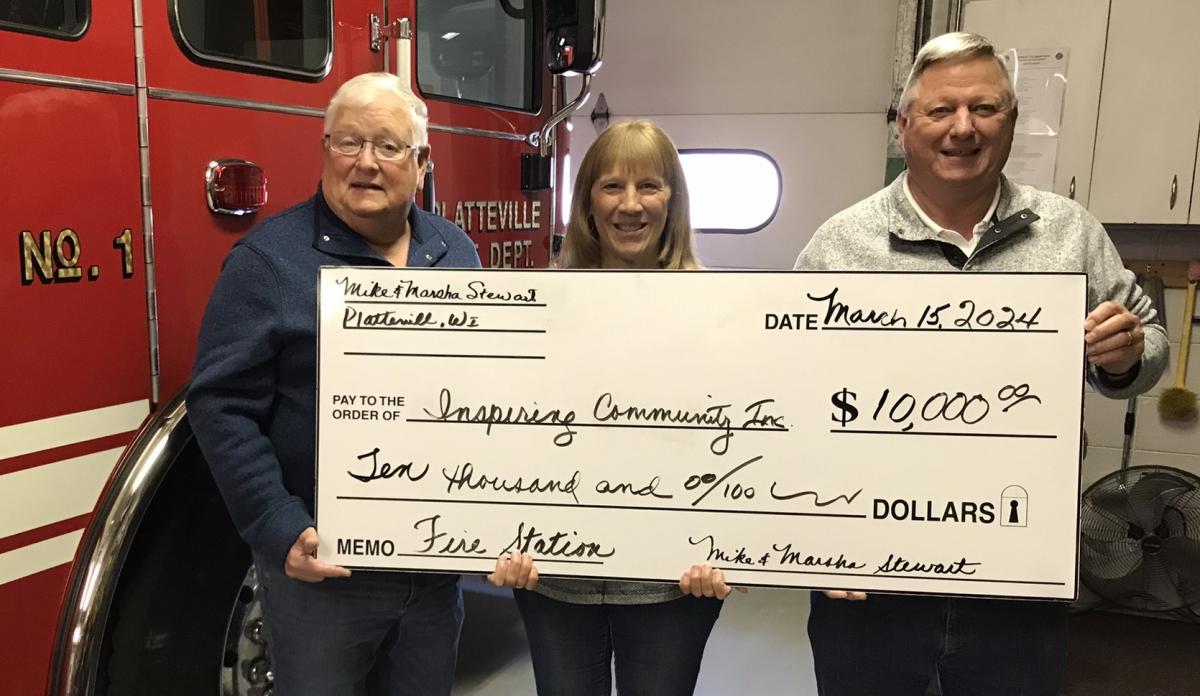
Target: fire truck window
[478, 51]
[731, 190]
[286, 36]
[64, 18]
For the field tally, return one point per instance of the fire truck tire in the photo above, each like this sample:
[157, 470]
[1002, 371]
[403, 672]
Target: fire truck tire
[184, 572]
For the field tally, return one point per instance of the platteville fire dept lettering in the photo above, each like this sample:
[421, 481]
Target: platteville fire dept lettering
[498, 216]
[478, 217]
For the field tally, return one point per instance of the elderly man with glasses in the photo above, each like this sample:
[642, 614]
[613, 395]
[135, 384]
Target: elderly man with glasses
[252, 405]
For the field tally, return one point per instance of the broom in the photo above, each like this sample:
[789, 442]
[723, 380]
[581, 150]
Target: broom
[1179, 403]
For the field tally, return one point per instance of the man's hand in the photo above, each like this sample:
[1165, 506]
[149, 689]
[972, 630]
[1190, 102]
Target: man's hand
[302, 564]
[514, 570]
[847, 595]
[1114, 337]
[702, 580]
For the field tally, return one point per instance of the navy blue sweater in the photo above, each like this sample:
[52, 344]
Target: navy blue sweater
[252, 399]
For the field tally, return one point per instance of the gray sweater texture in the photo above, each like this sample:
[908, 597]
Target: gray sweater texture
[884, 232]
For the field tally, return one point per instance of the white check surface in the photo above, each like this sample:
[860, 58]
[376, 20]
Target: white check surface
[800, 429]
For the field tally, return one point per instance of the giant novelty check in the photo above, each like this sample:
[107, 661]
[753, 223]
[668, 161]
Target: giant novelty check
[878, 431]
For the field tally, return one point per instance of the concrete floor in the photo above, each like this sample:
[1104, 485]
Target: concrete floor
[760, 637]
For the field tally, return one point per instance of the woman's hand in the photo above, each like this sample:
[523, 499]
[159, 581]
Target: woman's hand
[702, 580]
[846, 594]
[514, 570]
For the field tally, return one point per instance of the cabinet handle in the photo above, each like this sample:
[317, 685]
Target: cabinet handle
[1071, 189]
[1174, 190]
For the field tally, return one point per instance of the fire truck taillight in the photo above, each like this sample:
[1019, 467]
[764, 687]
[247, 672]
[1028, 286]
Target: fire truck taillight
[235, 187]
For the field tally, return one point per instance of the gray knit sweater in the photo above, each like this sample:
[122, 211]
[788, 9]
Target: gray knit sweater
[884, 232]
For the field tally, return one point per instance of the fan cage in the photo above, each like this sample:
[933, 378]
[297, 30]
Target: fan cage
[1140, 538]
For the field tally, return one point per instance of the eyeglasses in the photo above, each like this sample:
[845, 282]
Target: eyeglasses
[350, 145]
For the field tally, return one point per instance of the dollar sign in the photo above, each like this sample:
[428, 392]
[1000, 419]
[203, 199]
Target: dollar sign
[848, 412]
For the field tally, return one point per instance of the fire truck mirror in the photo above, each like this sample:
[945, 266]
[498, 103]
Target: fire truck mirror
[574, 36]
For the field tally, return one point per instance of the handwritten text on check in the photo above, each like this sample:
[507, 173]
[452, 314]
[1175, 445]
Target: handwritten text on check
[885, 431]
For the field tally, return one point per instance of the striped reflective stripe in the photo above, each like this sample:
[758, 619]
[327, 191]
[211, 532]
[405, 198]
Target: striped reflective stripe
[35, 558]
[46, 494]
[39, 500]
[35, 436]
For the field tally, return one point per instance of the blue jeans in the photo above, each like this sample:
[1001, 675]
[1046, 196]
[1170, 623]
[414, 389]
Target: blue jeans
[894, 645]
[376, 633]
[657, 647]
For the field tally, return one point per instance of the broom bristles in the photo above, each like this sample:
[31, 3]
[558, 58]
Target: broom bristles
[1177, 404]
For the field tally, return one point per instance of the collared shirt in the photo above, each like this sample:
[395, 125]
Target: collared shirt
[945, 235]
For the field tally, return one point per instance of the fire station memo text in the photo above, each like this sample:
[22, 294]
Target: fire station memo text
[890, 432]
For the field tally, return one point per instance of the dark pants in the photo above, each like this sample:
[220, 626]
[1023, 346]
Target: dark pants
[657, 647]
[376, 633]
[895, 645]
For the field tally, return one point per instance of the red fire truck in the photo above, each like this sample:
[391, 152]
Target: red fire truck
[138, 140]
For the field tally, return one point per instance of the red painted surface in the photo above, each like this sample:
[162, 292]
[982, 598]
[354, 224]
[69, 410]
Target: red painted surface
[43, 533]
[58, 454]
[70, 345]
[109, 34]
[29, 610]
[168, 67]
[190, 241]
[71, 160]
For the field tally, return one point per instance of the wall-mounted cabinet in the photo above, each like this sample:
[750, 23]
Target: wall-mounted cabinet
[1149, 113]
[1134, 69]
[1078, 25]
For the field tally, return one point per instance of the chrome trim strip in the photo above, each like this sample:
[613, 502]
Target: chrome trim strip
[211, 100]
[9, 75]
[106, 543]
[49, 80]
[478, 132]
[197, 98]
[148, 266]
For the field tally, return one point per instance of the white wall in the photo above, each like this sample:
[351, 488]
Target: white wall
[1155, 442]
[806, 82]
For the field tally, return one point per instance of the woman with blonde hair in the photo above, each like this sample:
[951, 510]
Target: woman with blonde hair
[630, 211]
[626, 154]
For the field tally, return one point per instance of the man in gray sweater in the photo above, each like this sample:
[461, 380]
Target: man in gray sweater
[953, 209]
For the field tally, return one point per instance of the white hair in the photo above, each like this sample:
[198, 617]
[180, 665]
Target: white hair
[953, 47]
[361, 90]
